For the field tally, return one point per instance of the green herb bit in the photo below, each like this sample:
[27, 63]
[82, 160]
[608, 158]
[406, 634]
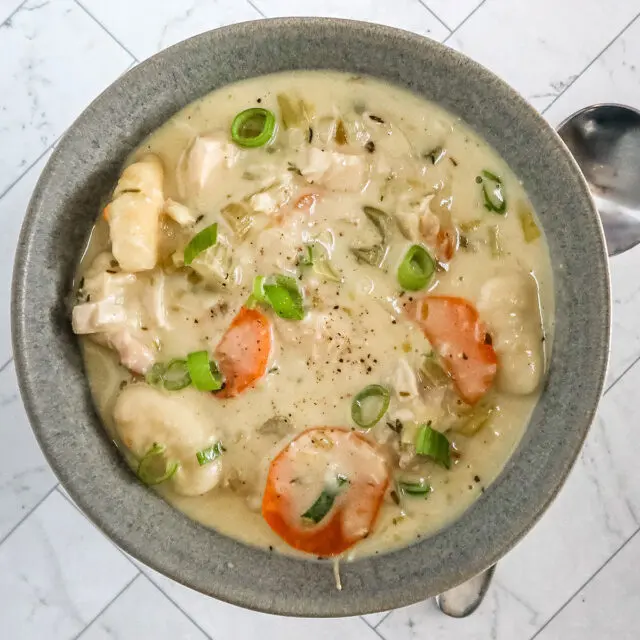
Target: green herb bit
[369, 405]
[436, 154]
[530, 229]
[381, 221]
[416, 269]
[418, 487]
[201, 242]
[433, 444]
[154, 468]
[373, 256]
[325, 501]
[210, 453]
[279, 292]
[495, 242]
[493, 192]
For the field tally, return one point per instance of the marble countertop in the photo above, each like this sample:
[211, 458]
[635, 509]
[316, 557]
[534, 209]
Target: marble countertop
[573, 577]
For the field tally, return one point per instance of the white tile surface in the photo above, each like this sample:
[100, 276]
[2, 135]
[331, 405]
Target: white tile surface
[539, 47]
[165, 23]
[225, 622]
[452, 12]
[139, 612]
[25, 477]
[55, 59]
[57, 573]
[592, 613]
[7, 7]
[405, 14]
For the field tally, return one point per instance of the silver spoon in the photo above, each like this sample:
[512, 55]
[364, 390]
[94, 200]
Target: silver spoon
[605, 142]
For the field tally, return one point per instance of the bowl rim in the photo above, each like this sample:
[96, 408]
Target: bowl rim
[360, 596]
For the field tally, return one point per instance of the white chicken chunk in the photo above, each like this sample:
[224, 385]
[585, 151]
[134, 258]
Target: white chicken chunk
[205, 161]
[134, 213]
[145, 416]
[510, 307]
[336, 171]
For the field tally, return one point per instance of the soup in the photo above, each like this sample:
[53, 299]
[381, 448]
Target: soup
[314, 313]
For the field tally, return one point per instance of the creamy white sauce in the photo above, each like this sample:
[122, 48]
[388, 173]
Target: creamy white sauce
[354, 332]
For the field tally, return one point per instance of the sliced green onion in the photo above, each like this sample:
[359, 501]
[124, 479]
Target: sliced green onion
[172, 376]
[253, 127]
[176, 375]
[377, 397]
[493, 192]
[495, 242]
[154, 468]
[433, 444]
[284, 296]
[201, 242]
[414, 487]
[324, 502]
[258, 289]
[370, 255]
[416, 269]
[210, 453]
[204, 372]
[530, 229]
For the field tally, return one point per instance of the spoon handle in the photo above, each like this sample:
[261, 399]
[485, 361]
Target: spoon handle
[463, 600]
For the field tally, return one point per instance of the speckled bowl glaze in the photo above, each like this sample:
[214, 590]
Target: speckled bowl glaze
[84, 168]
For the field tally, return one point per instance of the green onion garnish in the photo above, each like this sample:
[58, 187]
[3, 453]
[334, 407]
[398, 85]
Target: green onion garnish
[201, 242]
[204, 372]
[414, 488]
[305, 259]
[210, 453]
[154, 468]
[173, 376]
[416, 269]
[380, 220]
[377, 397]
[253, 127]
[284, 296]
[324, 502]
[433, 444]
[493, 192]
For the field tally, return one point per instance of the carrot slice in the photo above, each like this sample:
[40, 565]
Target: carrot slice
[452, 326]
[243, 352]
[297, 476]
[307, 202]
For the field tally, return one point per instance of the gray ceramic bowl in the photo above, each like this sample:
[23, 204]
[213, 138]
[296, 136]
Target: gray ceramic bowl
[84, 168]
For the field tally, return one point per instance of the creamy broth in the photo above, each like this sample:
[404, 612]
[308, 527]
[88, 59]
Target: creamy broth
[356, 175]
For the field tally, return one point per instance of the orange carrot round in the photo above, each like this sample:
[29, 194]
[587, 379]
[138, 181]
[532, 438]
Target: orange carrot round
[292, 487]
[243, 352]
[455, 331]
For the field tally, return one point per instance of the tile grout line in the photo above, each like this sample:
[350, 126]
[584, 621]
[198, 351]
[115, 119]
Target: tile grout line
[106, 606]
[464, 21]
[622, 375]
[168, 597]
[79, 4]
[253, 6]
[13, 13]
[128, 558]
[436, 16]
[26, 515]
[597, 57]
[584, 585]
[33, 164]
[6, 364]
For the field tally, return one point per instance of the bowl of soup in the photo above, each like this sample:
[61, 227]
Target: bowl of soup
[311, 315]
